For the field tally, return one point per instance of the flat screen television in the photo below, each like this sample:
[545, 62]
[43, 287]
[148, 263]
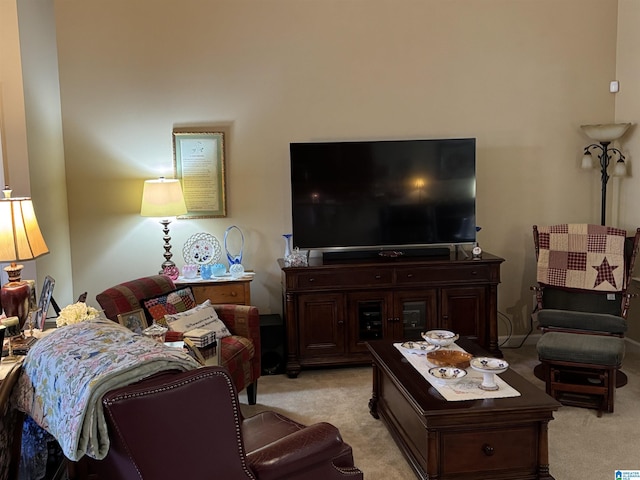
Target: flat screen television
[391, 194]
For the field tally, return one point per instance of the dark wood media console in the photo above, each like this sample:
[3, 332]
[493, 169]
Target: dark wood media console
[332, 308]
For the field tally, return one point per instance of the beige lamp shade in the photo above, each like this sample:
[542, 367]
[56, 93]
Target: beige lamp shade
[605, 132]
[20, 239]
[20, 236]
[162, 198]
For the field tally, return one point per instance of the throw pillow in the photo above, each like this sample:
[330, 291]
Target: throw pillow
[202, 316]
[176, 301]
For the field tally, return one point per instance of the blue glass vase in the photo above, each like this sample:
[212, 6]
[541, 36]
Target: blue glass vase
[287, 244]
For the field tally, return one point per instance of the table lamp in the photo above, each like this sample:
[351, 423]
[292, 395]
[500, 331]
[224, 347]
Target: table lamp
[163, 198]
[20, 240]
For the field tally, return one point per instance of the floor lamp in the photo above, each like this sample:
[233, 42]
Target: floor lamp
[20, 240]
[604, 134]
[163, 198]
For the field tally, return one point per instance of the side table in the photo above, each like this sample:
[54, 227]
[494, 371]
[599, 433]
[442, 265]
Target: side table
[220, 290]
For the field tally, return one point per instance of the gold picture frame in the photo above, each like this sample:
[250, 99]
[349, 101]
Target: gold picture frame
[134, 320]
[199, 164]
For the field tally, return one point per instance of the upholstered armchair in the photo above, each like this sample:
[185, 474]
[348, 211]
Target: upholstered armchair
[206, 435]
[240, 353]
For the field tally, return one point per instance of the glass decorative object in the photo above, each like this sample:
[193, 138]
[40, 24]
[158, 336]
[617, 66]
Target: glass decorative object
[233, 257]
[206, 271]
[287, 244]
[156, 332]
[190, 271]
[171, 271]
[236, 270]
[218, 270]
[297, 258]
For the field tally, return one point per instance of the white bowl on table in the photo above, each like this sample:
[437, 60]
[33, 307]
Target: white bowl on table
[442, 338]
[447, 375]
[489, 367]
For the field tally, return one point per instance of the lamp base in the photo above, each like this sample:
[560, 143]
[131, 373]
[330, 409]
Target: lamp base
[14, 298]
[168, 263]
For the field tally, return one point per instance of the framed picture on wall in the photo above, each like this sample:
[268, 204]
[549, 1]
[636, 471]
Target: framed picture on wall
[199, 164]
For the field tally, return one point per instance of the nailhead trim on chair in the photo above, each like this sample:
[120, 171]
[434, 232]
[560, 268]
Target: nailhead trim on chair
[203, 373]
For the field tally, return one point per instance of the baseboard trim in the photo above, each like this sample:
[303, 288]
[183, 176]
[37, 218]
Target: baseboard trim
[631, 340]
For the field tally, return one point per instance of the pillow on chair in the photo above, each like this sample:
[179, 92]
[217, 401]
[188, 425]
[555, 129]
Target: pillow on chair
[202, 316]
[176, 301]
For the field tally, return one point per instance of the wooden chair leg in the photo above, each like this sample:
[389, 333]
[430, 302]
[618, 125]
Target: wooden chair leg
[252, 392]
[558, 385]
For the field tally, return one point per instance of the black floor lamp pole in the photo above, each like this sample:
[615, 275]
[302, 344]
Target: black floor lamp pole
[604, 178]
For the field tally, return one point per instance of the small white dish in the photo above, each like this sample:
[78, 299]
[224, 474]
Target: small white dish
[489, 367]
[442, 338]
[447, 375]
[421, 348]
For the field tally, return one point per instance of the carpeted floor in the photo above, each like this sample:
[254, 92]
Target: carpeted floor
[582, 446]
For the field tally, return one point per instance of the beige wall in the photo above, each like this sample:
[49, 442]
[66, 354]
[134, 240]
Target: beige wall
[12, 101]
[520, 76]
[509, 73]
[44, 142]
[14, 156]
[628, 109]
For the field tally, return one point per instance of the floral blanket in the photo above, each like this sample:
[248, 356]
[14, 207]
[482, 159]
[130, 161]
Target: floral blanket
[66, 374]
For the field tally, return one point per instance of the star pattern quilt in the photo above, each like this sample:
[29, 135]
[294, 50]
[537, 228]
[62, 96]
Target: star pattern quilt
[588, 257]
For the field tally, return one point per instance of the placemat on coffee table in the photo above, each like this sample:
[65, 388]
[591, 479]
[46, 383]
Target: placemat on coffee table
[468, 388]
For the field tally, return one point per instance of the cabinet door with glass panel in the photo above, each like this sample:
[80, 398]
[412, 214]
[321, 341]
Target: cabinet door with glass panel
[415, 311]
[369, 315]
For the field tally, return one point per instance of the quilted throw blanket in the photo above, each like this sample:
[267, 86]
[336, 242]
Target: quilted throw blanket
[589, 257]
[67, 372]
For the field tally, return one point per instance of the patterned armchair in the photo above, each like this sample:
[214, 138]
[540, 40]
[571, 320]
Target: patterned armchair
[240, 353]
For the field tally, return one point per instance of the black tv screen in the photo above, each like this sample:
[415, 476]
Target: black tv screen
[395, 193]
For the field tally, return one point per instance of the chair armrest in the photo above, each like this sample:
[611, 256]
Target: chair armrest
[581, 321]
[243, 320]
[320, 442]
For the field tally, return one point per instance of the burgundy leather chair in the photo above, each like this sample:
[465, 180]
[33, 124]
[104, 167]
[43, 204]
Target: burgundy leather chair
[240, 352]
[189, 425]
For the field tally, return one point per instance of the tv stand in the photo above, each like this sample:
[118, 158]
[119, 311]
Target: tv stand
[333, 308]
[337, 256]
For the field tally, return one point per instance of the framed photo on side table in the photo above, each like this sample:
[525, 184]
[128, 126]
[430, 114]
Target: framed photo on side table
[40, 315]
[199, 159]
[134, 320]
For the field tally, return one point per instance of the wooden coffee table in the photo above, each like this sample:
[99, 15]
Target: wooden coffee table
[503, 438]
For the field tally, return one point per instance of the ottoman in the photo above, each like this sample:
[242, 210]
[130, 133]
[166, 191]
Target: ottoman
[580, 369]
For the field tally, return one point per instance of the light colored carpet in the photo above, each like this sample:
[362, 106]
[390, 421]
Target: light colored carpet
[582, 446]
